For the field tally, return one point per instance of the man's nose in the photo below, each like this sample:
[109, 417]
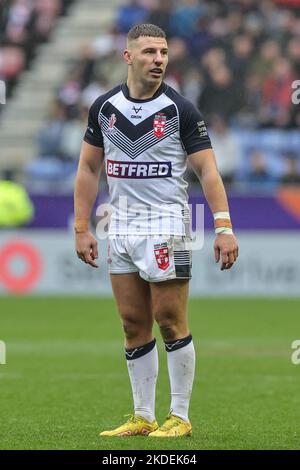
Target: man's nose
[158, 59]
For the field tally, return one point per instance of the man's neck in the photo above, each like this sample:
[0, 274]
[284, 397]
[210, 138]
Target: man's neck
[139, 91]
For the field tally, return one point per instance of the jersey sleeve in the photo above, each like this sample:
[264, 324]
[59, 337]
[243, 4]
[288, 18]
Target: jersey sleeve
[193, 132]
[93, 134]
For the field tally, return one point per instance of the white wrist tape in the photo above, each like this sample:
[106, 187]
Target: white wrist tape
[224, 230]
[221, 215]
[222, 223]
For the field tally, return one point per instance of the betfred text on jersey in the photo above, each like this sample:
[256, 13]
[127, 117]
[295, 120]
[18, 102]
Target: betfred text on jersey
[138, 170]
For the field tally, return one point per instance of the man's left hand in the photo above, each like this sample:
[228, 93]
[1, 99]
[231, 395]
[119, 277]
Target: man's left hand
[226, 249]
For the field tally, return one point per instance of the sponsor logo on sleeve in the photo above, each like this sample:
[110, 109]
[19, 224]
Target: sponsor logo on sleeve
[202, 128]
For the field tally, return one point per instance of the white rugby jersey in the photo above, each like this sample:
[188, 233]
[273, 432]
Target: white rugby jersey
[146, 143]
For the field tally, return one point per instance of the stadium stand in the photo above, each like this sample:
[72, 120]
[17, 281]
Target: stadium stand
[37, 85]
[237, 60]
[24, 25]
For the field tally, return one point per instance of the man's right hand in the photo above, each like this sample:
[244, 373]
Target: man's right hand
[87, 248]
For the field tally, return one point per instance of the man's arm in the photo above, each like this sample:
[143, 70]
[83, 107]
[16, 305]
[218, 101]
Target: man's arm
[86, 190]
[204, 165]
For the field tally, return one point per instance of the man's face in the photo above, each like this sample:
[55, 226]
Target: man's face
[148, 58]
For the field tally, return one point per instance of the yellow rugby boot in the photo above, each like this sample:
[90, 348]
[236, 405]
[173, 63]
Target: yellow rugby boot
[135, 426]
[173, 427]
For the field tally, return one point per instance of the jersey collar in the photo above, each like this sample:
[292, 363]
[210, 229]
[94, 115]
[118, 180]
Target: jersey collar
[158, 92]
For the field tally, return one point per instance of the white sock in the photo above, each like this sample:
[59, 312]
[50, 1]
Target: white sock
[181, 367]
[142, 364]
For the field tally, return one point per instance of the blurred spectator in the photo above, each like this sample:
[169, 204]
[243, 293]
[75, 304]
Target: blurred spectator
[71, 137]
[291, 175]
[234, 27]
[108, 43]
[213, 59]
[16, 208]
[258, 177]
[240, 57]
[49, 137]
[130, 14]
[192, 84]
[161, 14]
[282, 30]
[70, 92]
[276, 95]
[219, 95]
[61, 137]
[59, 145]
[178, 61]
[252, 101]
[269, 52]
[185, 18]
[226, 148]
[93, 91]
[290, 3]
[85, 65]
[293, 53]
[12, 62]
[200, 40]
[19, 15]
[23, 25]
[45, 14]
[112, 69]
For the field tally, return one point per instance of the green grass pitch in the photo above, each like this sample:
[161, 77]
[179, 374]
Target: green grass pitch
[66, 378]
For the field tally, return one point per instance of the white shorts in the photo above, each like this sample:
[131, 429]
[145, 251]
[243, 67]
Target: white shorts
[155, 259]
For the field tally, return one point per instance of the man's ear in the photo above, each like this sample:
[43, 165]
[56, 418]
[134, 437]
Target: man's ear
[127, 56]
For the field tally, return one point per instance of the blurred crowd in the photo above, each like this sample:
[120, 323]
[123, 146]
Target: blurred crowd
[237, 60]
[23, 25]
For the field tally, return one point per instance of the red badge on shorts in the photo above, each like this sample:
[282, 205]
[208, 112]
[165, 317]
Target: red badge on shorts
[159, 125]
[162, 256]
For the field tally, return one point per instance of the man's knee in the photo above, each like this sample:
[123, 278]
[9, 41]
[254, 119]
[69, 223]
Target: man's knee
[133, 327]
[170, 325]
[168, 332]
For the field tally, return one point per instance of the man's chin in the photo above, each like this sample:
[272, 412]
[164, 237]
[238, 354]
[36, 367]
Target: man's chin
[154, 80]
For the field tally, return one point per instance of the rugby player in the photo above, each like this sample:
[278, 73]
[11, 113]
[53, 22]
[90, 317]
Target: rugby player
[144, 132]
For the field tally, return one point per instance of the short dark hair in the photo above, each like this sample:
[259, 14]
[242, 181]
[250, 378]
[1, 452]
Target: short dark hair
[150, 30]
